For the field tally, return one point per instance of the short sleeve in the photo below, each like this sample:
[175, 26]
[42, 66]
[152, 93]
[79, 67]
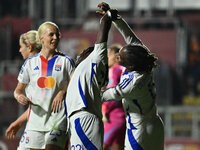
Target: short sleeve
[23, 76]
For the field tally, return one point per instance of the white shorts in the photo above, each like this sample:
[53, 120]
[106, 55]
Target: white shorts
[86, 131]
[22, 142]
[38, 139]
[149, 135]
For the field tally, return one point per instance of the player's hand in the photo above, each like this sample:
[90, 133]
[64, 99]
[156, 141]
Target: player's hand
[22, 99]
[12, 130]
[57, 103]
[104, 6]
[111, 14]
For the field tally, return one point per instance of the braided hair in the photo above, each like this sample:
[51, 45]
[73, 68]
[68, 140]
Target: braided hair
[140, 57]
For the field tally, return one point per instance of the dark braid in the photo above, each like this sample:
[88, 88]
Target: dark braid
[141, 58]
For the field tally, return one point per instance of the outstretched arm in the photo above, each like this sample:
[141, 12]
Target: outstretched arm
[16, 125]
[105, 24]
[126, 32]
[122, 26]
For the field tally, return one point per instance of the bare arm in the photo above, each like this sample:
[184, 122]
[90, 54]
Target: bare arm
[105, 25]
[16, 125]
[121, 25]
[19, 94]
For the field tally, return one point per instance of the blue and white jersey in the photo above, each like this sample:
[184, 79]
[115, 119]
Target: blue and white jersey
[144, 127]
[138, 95]
[45, 78]
[85, 85]
[137, 91]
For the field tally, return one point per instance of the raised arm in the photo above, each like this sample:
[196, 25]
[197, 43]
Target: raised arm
[105, 24]
[126, 32]
[121, 25]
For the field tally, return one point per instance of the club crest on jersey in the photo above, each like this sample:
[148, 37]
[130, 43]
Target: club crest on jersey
[58, 67]
[27, 140]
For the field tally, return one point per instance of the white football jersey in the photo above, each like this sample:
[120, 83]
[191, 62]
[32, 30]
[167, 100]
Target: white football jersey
[137, 93]
[86, 82]
[44, 79]
[144, 127]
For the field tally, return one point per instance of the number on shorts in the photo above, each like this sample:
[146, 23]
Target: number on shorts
[77, 147]
[23, 137]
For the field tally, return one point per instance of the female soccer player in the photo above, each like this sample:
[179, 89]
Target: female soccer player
[29, 46]
[47, 75]
[83, 94]
[144, 127]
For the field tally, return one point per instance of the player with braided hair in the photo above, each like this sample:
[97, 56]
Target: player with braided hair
[144, 127]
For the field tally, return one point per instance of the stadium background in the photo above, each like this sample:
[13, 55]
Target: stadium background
[170, 28]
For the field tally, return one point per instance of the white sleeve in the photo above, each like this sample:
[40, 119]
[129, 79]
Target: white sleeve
[111, 94]
[23, 76]
[100, 50]
[69, 69]
[126, 88]
[126, 31]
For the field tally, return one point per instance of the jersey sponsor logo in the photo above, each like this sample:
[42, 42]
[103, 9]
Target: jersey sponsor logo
[58, 67]
[36, 68]
[46, 82]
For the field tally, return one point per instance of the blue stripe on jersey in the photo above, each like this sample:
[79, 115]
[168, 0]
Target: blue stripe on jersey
[92, 73]
[22, 68]
[123, 82]
[30, 58]
[81, 93]
[71, 60]
[50, 66]
[126, 81]
[125, 72]
[84, 139]
[134, 144]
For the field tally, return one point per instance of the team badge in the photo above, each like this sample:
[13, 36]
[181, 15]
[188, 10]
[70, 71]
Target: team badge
[27, 140]
[58, 67]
